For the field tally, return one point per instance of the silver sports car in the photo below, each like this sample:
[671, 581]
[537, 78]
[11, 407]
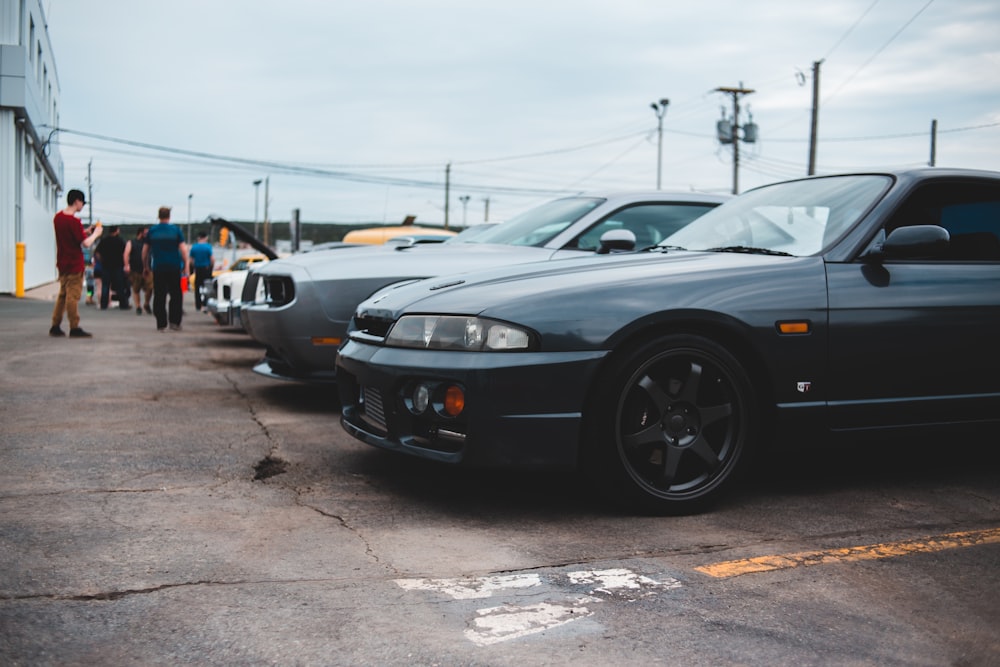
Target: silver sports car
[299, 307]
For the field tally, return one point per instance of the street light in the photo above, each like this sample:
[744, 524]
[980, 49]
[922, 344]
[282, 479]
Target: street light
[256, 200]
[189, 217]
[660, 109]
[465, 207]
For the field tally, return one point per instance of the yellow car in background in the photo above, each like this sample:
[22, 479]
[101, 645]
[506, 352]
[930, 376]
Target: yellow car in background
[378, 235]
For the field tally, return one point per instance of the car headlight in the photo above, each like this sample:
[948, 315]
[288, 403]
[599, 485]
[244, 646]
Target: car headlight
[455, 332]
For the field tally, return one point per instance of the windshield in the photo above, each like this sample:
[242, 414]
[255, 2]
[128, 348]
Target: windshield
[798, 218]
[539, 225]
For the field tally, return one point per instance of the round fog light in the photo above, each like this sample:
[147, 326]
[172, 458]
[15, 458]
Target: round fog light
[421, 397]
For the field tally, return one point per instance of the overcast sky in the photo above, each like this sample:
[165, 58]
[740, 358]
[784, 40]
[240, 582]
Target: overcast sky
[354, 108]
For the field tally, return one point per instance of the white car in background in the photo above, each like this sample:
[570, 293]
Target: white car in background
[223, 292]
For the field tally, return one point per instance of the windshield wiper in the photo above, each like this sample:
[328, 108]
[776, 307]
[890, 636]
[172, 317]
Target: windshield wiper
[663, 248]
[750, 251]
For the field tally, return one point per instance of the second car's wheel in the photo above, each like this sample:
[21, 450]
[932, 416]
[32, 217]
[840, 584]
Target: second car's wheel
[671, 425]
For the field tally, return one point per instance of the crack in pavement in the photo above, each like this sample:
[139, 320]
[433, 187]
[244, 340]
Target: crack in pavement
[117, 595]
[253, 415]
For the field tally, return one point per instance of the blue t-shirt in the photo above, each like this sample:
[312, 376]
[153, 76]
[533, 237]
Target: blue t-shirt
[164, 240]
[201, 255]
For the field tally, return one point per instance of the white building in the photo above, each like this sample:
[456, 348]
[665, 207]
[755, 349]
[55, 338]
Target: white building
[31, 168]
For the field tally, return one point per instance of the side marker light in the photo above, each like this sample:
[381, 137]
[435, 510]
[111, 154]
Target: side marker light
[794, 327]
[321, 340]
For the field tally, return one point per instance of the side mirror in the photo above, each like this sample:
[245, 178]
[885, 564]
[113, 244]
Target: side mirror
[914, 242]
[616, 240]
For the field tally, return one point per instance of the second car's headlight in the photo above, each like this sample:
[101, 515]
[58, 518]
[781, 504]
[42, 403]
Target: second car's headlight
[451, 332]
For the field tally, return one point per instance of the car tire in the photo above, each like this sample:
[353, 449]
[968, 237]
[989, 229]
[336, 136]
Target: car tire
[670, 425]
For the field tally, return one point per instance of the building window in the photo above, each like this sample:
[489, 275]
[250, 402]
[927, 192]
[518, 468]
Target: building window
[38, 68]
[31, 39]
[27, 160]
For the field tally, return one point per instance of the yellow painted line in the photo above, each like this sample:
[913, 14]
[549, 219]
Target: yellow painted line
[735, 568]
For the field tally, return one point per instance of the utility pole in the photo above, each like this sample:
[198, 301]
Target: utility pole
[814, 127]
[660, 109]
[256, 201]
[447, 192]
[90, 195]
[933, 143]
[267, 219]
[734, 138]
[486, 215]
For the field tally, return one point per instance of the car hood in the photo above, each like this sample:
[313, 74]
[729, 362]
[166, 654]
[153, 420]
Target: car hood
[418, 261]
[615, 288]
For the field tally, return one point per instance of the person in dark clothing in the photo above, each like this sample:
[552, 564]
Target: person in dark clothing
[165, 255]
[111, 253]
[141, 282]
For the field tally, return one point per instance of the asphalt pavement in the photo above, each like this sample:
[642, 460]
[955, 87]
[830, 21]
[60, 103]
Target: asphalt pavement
[160, 504]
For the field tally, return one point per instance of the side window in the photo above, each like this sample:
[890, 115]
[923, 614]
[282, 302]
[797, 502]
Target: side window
[969, 211]
[651, 223]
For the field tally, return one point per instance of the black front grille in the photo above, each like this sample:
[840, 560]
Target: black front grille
[372, 407]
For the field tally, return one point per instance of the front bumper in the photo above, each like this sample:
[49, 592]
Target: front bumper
[301, 340]
[219, 310]
[521, 409]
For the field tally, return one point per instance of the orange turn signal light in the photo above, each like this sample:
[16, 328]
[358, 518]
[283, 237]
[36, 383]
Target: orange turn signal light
[321, 340]
[454, 401]
[794, 327]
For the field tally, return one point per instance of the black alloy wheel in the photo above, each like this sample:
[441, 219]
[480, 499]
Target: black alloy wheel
[675, 423]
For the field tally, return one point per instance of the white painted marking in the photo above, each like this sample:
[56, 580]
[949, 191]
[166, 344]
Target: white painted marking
[621, 578]
[470, 589]
[507, 622]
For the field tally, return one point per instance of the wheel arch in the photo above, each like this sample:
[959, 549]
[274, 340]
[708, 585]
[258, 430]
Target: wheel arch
[727, 331]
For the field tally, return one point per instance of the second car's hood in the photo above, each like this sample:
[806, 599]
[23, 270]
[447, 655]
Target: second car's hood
[395, 262]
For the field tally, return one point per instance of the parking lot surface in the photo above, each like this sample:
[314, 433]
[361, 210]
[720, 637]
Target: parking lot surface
[162, 504]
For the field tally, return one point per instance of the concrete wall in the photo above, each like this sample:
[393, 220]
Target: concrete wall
[31, 170]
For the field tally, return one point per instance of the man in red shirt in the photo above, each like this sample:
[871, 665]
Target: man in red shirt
[70, 235]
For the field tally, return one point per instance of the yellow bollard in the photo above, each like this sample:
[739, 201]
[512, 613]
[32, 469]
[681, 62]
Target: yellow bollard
[19, 270]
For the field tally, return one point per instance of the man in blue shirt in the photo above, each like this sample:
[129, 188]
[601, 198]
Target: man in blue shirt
[201, 258]
[166, 256]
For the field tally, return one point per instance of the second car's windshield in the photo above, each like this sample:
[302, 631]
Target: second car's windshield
[539, 225]
[798, 218]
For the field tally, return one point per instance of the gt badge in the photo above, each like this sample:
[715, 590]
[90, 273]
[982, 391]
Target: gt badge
[803, 387]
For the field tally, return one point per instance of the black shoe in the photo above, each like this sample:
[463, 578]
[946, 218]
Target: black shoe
[56, 332]
[80, 333]
[138, 311]
[148, 309]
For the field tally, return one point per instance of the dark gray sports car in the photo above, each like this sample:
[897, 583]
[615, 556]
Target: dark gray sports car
[795, 312]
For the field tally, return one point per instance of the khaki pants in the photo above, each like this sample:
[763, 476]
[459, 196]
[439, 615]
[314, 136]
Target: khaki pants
[68, 301]
[142, 284]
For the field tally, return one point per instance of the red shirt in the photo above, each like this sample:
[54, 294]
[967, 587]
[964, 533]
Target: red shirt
[69, 237]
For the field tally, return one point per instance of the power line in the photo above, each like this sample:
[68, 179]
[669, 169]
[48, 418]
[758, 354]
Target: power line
[878, 51]
[882, 137]
[850, 30]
